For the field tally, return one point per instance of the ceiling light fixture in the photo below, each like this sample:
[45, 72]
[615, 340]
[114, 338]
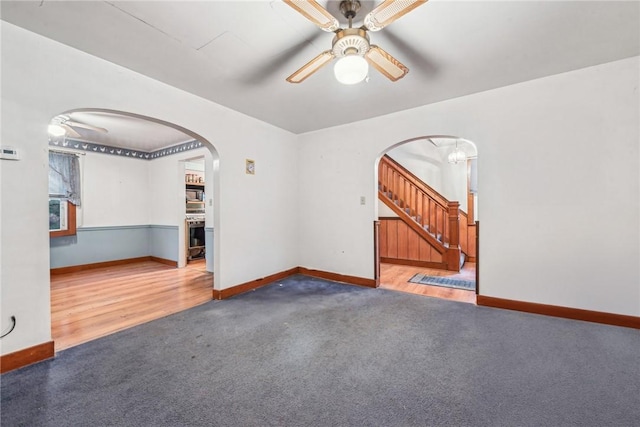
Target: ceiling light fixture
[56, 130]
[351, 41]
[457, 155]
[350, 45]
[351, 69]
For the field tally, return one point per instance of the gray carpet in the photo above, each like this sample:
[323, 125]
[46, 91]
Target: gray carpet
[446, 282]
[316, 353]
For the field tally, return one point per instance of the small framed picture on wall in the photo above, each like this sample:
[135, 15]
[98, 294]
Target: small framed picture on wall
[250, 167]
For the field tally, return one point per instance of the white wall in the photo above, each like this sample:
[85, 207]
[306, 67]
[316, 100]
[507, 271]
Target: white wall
[385, 211]
[422, 159]
[454, 182]
[560, 207]
[255, 230]
[167, 188]
[114, 191]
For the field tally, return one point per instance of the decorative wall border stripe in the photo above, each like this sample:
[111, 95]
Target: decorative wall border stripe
[26, 356]
[186, 146]
[76, 144]
[559, 311]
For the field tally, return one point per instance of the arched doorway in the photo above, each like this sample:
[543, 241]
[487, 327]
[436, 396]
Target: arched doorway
[427, 217]
[131, 241]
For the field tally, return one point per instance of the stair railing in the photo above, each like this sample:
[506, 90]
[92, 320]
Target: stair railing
[436, 215]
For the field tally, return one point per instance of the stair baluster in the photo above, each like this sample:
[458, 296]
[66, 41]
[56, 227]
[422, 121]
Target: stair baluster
[432, 215]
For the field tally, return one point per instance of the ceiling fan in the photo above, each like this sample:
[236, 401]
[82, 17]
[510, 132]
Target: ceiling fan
[63, 125]
[351, 45]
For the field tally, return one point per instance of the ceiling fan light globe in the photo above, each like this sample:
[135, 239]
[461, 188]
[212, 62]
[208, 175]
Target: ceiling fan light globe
[351, 69]
[56, 130]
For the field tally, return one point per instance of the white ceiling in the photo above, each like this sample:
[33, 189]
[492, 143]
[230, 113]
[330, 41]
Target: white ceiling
[238, 53]
[126, 131]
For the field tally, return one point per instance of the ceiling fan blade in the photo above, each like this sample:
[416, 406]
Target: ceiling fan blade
[274, 65]
[85, 126]
[311, 67]
[389, 11]
[386, 64]
[70, 131]
[418, 58]
[315, 13]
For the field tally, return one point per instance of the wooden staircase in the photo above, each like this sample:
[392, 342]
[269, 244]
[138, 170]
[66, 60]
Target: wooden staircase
[429, 230]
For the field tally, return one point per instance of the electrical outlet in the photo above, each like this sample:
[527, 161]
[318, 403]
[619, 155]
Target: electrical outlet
[363, 200]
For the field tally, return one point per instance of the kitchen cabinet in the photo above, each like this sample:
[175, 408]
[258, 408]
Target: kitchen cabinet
[194, 197]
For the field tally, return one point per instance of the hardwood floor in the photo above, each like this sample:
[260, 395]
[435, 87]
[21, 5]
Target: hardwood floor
[396, 277]
[93, 303]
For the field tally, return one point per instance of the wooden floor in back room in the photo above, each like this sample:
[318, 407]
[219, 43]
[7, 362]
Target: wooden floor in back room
[396, 278]
[89, 304]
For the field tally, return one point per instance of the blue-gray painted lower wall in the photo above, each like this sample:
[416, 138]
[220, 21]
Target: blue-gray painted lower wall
[99, 244]
[163, 241]
[208, 242]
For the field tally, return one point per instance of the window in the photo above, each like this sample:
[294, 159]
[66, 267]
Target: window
[62, 218]
[64, 193]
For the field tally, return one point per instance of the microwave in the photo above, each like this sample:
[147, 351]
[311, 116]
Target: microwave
[195, 195]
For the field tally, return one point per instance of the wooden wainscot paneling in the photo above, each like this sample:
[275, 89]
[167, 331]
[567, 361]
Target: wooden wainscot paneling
[403, 240]
[382, 231]
[413, 245]
[559, 311]
[27, 356]
[400, 244]
[472, 236]
[391, 237]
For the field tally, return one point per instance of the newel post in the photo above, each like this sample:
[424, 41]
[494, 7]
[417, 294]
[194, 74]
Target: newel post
[453, 253]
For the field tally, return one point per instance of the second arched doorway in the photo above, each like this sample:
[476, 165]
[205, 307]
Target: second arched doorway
[427, 217]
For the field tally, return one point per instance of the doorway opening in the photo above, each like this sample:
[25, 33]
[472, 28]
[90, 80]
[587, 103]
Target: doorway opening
[124, 264]
[196, 240]
[427, 217]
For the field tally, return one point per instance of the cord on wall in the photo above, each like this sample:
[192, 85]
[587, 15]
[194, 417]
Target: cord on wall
[13, 325]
